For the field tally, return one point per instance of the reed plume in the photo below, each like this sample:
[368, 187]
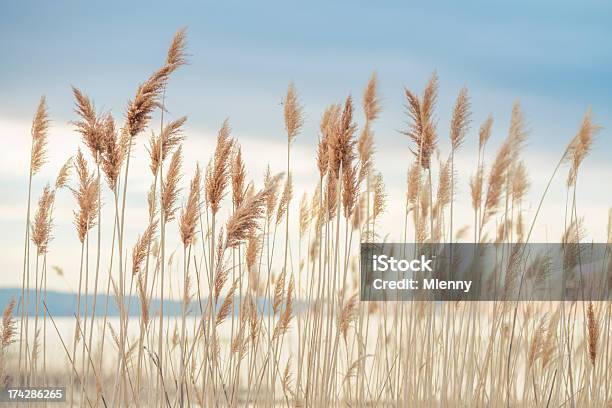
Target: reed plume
[581, 145]
[91, 126]
[191, 211]
[39, 132]
[161, 146]
[285, 198]
[41, 228]
[64, 174]
[593, 332]
[422, 130]
[170, 190]
[138, 111]
[484, 132]
[141, 248]
[371, 110]
[217, 179]
[327, 128]
[461, 119]
[380, 196]
[293, 113]
[7, 333]
[87, 197]
[238, 173]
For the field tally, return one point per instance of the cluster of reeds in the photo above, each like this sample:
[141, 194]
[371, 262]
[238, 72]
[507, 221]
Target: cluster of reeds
[257, 327]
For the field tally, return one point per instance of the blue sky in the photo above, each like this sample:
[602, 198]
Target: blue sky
[554, 56]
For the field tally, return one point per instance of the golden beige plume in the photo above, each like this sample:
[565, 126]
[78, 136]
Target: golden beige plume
[40, 129]
[144, 301]
[90, 126]
[41, 228]
[271, 184]
[380, 196]
[286, 379]
[253, 320]
[287, 313]
[485, 132]
[414, 184]
[190, 213]
[371, 103]
[506, 156]
[342, 143]
[293, 113]
[581, 145]
[64, 174]
[87, 197]
[496, 180]
[350, 189]
[304, 215]
[140, 251]
[285, 199]
[476, 188]
[170, 189]
[593, 332]
[460, 121]
[443, 195]
[138, 112]
[176, 55]
[359, 213]
[365, 148]
[422, 130]
[226, 306]
[347, 314]
[327, 128]
[330, 203]
[221, 273]
[9, 327]
[520, 181]
[217, 178]
[279, 292]
[252, 251]
[537, 343]
[238, 178]
[112, 155]
[161, 146]
[244, 222]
